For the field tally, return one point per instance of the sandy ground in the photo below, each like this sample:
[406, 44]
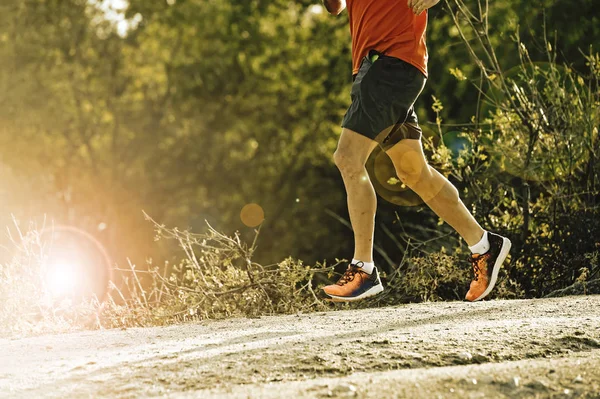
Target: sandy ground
[528, 348]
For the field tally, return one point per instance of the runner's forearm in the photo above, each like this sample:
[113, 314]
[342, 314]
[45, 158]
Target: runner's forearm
[334, 7]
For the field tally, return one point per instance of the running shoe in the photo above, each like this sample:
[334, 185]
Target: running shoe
[355, 284]
[486, 267]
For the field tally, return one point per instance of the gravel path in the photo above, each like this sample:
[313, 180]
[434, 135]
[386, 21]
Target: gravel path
[526, 348]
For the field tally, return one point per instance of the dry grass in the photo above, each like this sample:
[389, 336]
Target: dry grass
[217, 278]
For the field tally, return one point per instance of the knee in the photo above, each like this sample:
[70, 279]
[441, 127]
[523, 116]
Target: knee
[412, 173]
[348, 165]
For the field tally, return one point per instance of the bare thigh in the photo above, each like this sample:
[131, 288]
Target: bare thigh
[353, 150]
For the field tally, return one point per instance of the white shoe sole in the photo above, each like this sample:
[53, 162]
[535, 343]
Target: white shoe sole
[506, 244]
[370, 292]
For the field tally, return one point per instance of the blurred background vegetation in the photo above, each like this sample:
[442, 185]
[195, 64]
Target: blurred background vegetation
[192, 109]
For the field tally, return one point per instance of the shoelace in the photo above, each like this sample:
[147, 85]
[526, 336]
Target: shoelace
[474, 259]
[348, 275]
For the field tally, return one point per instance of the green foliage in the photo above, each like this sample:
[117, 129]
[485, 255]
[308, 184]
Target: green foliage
[202, 108]
[530, 169]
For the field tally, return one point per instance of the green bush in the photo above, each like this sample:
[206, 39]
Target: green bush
[529, 169]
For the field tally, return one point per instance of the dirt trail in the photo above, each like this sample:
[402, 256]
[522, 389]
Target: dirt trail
[527, 348]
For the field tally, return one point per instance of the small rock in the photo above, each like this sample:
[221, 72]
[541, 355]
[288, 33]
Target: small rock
[516, 381]
[537, 385]
[344, 390]
[465, 356]
[578, 379]
[480, 358]
[486, 379]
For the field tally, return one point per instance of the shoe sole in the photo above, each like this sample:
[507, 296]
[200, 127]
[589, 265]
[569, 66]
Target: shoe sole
[369, 293]
[506, 244]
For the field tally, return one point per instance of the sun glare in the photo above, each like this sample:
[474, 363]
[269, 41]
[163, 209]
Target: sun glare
[114, 11]
[316, 9]
[64, 278]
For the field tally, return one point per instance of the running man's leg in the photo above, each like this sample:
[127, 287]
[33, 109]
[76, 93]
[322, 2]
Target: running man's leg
[489, 249]
[361, 278]
[435, 190]
[350, 157]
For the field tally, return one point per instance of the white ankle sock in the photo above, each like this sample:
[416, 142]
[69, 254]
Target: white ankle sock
[482, 246]
[366, 266]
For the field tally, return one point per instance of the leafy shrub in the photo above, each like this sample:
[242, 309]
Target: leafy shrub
[529, 168]
[433, 277]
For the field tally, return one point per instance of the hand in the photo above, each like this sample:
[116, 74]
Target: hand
[334, 7]
[418, 6]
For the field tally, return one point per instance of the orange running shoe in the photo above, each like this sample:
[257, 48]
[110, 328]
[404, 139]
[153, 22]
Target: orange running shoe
[486, 267]
[355, 284]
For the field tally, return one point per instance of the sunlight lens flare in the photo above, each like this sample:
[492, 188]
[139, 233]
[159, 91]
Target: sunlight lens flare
[64, 278]
[252, 215]
[77, 267]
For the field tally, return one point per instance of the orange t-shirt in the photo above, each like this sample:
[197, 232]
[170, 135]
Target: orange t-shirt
[390, 27]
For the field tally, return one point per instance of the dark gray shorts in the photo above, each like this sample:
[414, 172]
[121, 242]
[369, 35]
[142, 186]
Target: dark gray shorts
[383, 96]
